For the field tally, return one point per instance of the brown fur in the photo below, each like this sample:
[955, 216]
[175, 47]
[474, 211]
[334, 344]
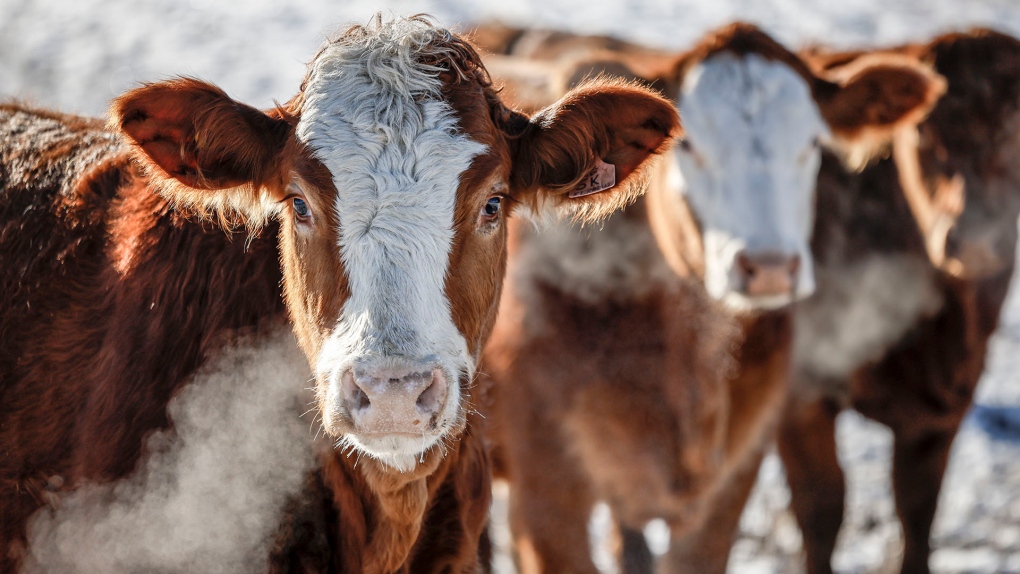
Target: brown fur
[116, 295]
[922, 382]
[614, 450]
[121, 293]
[621, 399]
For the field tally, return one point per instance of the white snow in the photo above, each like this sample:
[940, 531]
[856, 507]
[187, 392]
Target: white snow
[75, 55]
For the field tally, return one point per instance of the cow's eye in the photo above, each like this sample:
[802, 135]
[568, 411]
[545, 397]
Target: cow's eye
[301, 208]
[490, 211]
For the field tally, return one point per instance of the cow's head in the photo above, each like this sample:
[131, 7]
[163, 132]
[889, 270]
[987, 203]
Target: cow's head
[392, 174]
[960, 169]
[756, 118]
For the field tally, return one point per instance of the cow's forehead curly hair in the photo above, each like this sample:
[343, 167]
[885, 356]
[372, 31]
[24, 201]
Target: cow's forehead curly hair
[416, 39]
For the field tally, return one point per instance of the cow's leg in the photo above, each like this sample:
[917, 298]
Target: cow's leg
[918, 466]
[706, 548]
[550, 505]
[807, 446]
[485, 550]
[636, 557]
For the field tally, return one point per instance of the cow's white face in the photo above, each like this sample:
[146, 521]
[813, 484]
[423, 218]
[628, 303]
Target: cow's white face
[393, 362]
[748, 169]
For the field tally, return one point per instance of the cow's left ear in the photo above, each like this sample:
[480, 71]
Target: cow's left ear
[586, 153]
[866, 100]
[212, 150]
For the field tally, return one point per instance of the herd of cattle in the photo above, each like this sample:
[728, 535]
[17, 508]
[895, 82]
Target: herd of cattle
[827, 230]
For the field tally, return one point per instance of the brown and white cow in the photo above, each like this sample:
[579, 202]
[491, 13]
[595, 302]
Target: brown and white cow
[914, 257]
[385, 180]
[610, 360]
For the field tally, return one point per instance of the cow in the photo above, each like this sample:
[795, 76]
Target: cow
[646, 364]
[378, 197]
[913, 260]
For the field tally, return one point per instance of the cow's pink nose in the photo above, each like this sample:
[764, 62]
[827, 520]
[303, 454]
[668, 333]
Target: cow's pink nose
[394, 400]
[768, 273]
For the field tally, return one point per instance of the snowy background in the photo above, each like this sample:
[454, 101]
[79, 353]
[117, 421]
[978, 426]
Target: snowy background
[75, 55]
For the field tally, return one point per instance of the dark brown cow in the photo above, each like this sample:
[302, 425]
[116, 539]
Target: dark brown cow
[890, 334]
[383, 180]
[610, 360]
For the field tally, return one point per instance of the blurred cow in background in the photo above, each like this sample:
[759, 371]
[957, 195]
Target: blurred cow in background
[913, 261]
[611, 368]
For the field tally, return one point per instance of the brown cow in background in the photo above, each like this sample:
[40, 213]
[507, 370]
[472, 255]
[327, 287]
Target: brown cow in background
[914, 258]
[611, 369]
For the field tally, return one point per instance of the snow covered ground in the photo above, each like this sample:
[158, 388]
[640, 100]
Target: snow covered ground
[76, 54]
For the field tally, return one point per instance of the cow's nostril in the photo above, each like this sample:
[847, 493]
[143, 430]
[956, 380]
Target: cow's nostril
[747, 266]
[953, 243]
[360, 399]
[429, 400]
[794, 264]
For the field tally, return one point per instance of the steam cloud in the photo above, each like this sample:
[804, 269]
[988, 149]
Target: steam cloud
[860, 309]
[209, 496]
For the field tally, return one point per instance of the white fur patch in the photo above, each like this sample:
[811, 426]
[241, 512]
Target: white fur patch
[375, 117]
[750, 169]
[210, 495]
[860, 309]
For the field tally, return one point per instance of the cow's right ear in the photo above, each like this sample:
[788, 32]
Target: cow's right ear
[214, 152]
[586, 153]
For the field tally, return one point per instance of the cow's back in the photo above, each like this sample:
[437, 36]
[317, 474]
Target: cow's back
[50, 225]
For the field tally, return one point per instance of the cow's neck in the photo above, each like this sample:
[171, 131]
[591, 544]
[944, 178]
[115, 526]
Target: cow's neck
[764, 333]
[380, 507]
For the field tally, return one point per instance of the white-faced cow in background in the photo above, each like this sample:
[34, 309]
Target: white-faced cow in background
[610, 365]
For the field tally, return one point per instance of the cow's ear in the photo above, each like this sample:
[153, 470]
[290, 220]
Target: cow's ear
[587, 152]
[872, 96]
[217, 150]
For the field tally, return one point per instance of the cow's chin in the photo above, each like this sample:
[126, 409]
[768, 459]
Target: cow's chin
[400, 449]
[742, 303]
[401, 452]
